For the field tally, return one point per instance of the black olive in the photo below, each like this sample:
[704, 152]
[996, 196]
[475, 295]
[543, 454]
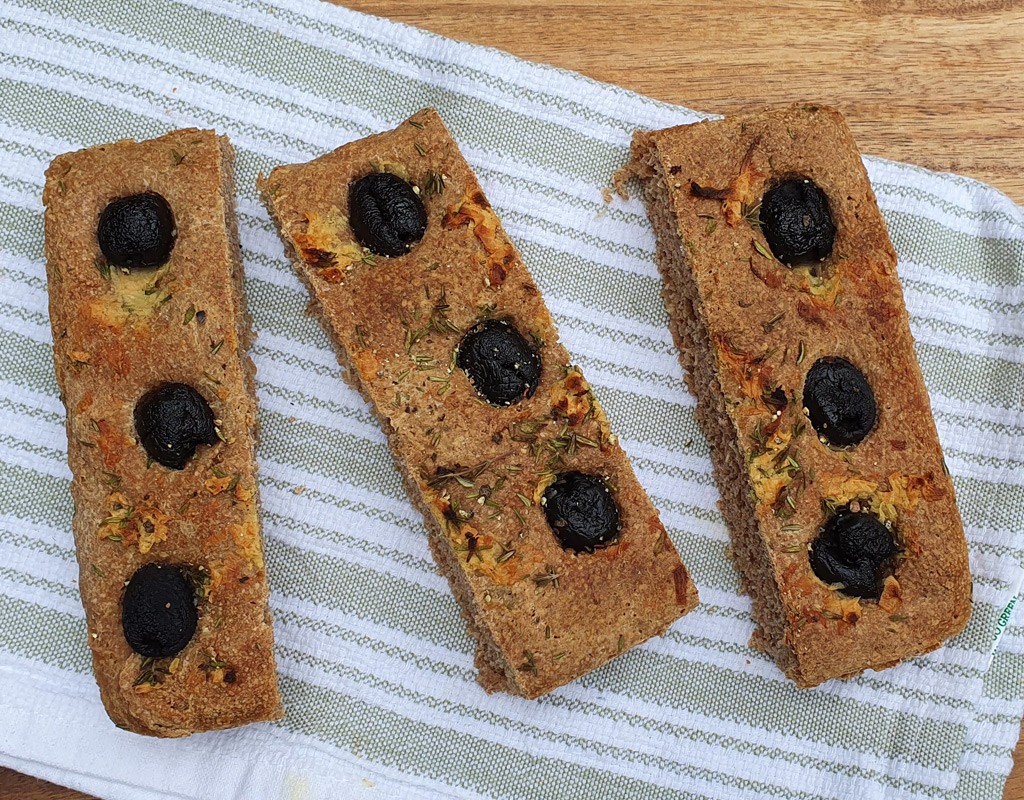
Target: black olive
[839, 401]
[137, 231]
[158, 611]
[502, 366]
[386, 215]
[581, 511]
[855, 549]
[797, 222]
[171, 420]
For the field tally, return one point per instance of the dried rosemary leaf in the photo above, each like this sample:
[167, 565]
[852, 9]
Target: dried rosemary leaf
[548, 578]
[770, 324]
[529, 665]
[435, 183]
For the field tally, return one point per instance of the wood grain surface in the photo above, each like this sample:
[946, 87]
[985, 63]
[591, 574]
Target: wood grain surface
[935, 83]
[15, 786]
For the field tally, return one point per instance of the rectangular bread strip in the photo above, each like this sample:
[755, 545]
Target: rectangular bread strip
[542, 615]
[117, 335]
[749, 329]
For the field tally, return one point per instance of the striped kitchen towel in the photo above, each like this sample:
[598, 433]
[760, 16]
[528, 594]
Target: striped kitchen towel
[376, 667]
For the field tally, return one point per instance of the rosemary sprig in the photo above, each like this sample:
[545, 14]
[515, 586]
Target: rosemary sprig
[549, 577]
[763, 251]
[506, 554]
[752, 216]
[465, 476]
[770, 324]
[528, 665]
[760, 439]
[153, 671]
[438, 322]
[435, 183]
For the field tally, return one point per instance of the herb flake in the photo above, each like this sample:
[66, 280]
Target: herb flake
[435, 183]
[550, 577]
[770, 324]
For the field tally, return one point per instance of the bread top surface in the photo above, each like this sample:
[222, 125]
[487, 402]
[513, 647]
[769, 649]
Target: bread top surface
[116, 336]
[480, 469]
[768, 324]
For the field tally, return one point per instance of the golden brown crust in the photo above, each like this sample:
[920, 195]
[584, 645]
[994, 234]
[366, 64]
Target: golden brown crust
[116, 336]
[745, 324]
[541, 615]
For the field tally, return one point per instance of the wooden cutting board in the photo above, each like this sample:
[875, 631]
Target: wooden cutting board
[933, 82]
